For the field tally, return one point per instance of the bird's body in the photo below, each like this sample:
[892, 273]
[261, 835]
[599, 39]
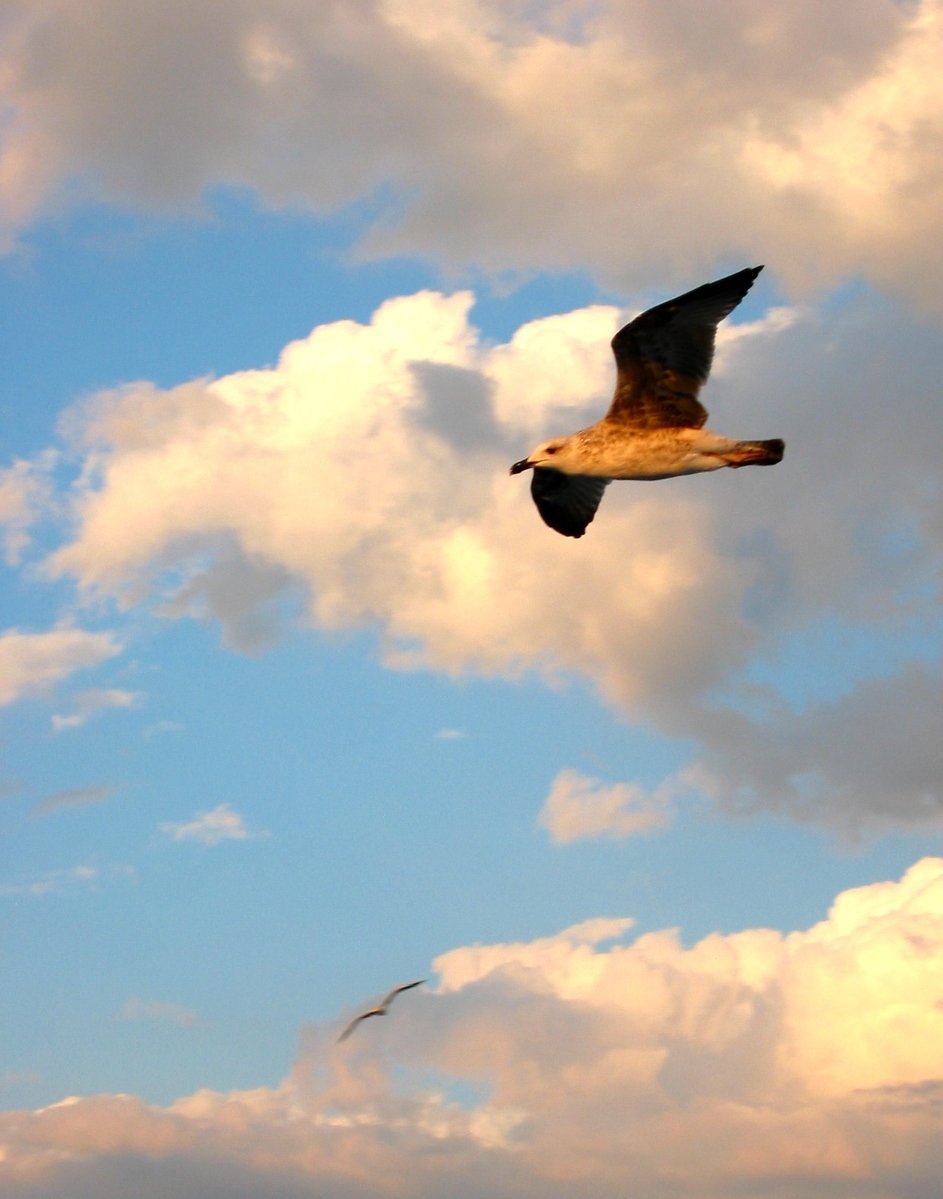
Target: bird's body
[604, 452]
[380, 1009]
[654, 428]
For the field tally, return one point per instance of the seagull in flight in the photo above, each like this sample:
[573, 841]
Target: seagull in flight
[654, 428]
[380, 1009]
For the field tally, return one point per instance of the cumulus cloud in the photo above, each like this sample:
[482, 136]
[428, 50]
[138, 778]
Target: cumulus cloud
[580, 808]
[429, 539]
[678, 133]
[88, 703]
[31, 662]
[800, 1064]
[339, 476]
[210, 828]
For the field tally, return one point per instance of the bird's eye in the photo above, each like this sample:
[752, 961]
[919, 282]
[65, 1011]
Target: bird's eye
[552, 449]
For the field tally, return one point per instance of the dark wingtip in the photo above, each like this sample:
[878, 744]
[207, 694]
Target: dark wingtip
[564, 523]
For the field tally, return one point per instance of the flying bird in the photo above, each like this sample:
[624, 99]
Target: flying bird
[654, 428]
[380, 1009]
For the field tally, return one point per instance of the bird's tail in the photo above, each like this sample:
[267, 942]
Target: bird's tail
[757, 453]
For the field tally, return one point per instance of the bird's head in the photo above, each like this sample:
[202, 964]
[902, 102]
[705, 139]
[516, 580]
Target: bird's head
[551, 453]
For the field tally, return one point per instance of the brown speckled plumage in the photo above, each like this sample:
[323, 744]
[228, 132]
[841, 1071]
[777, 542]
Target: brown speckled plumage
[654, 428]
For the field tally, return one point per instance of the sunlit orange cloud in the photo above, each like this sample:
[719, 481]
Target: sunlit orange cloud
[748, 1060]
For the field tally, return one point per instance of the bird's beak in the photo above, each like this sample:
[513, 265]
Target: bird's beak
[524, 464]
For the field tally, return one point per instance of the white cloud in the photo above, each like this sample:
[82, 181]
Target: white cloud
[210, 828]
[680, 134]
[32, 662]
[580, 808]
[802, 1064]
[88, 703]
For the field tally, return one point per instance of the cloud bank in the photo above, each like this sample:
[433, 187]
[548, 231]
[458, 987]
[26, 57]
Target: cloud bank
[800, 1064]
[651, 136]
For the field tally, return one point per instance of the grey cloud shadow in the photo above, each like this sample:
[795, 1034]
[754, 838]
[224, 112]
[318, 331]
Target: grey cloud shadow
[247, 594]
[458, 406]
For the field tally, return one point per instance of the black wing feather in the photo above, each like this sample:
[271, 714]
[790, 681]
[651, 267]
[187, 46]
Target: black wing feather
[665, 355]
[567, 503]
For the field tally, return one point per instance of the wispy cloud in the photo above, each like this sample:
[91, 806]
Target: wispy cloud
[159, 1012]
[72, 797]
[31, 662]
[210, 828]
[16, 1078]
[24, 488]
[61, 882]
[159, 727]
[451, 735]
[88, 703]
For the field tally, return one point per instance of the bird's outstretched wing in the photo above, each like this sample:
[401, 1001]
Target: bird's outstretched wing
[380, 1009]
[353, 1024]
[387, 999]
[567, 503]
[664, 356]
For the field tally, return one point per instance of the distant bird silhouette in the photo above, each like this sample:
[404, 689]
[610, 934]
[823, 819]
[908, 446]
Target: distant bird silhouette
[654, 426]
[380, 1009]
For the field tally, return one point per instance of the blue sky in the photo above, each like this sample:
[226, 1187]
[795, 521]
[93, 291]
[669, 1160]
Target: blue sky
[300, 699]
